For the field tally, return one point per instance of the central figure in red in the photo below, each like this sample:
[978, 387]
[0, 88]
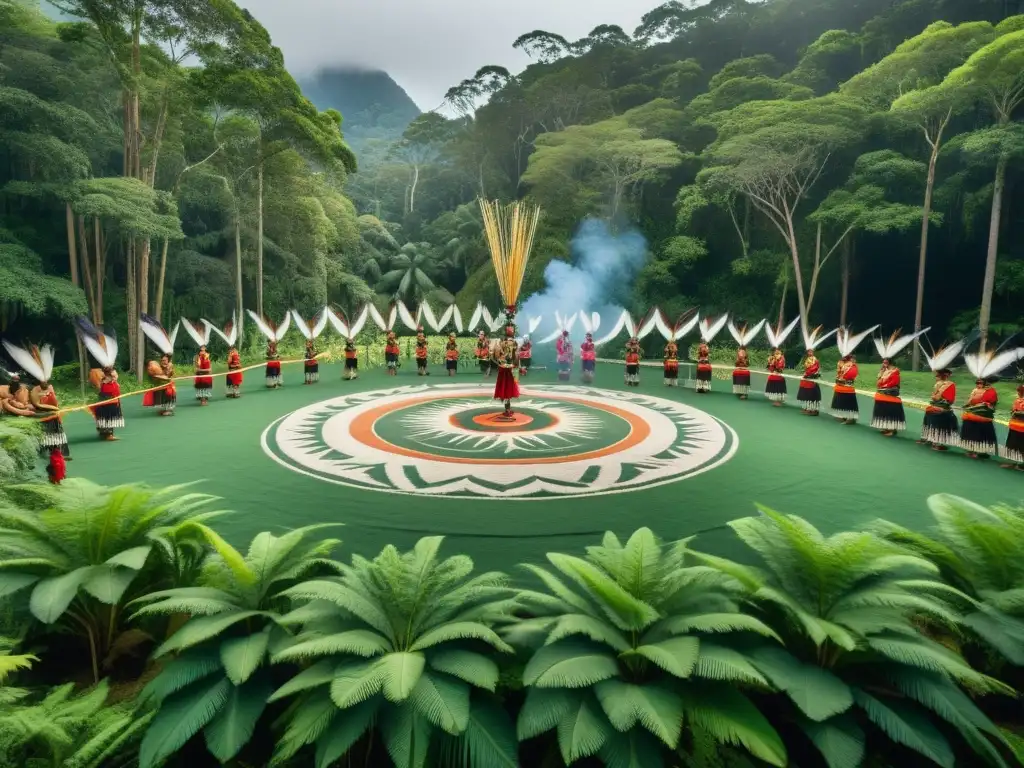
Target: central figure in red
[506, 357]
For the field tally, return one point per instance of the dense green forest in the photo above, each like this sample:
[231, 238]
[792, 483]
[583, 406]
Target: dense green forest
[776, 156]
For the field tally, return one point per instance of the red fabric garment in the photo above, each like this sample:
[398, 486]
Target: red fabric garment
[273, 365]
[587, 351]
[506, 387]
[632, 358]
[847, 373]
[391, 349]
[421, 351]
[526, 351]
[813, 369]
[944, 390]
[563, 348]
[890, 379]
[57, 468]
[451, 353]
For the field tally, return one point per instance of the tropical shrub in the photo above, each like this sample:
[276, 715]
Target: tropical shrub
[19, 449]
[981, 552]
[220, 680]
[857, 665]
[401, 648]
[89, 550]
[632, 643]
[67, 731]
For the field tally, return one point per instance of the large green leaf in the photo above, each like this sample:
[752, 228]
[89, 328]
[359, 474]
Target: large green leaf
[242, 655]
[107, 583]
[840, 740]
[52, 596]
[677, 656]
[443, 701]
[307, 721]
[657, 709]
[488, 740]
[321, 673]
[406, 736]
[628, 612]
[906, 726]
[181, 672]
[356, 682]
[475, 668]
[13, 582]
[460, 630]
[569, 664]
[357, 642]
[817, 692]
[200, 628]
[716, 662]
[181, 716]
[636, 749]
[344, 732]
[543, 709]
[233, 727]
[401, 672]
[730, 717]
[582, 731]
[134, 558]
[595, 629]
[345, 597]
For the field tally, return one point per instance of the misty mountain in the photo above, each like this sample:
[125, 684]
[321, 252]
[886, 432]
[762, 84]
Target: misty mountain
[372, 104]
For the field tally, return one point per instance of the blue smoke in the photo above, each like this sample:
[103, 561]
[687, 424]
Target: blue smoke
[599, 279]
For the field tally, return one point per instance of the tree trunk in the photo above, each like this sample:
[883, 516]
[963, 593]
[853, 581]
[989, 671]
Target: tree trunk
[993, 250]
[798, 279]
[239, 307]
[412, 190]
[929, 189]
[69, 224]
[259, 237]
[101, 267]
[90, 290]
[844, 300]
[144, 276]
[159, 307]
[782, 301]
[816, 271]
[131, 302]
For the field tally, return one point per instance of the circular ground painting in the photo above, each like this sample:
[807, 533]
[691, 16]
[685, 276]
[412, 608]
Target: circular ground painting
[453, 441]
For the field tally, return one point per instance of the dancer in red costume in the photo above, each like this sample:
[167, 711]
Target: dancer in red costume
[888, 416]
[588, 353]
[525, 356]
[564, 355]
[775, 388]
[391, 351]
[671, 364]
[421, 353]
[451, 355]
[483, 353]
[844, 405]
[633, 362]
[37, 362]
[161, 372]
[741, 369]
[506, 358]
[940, 429]
[978, 430]
[56, 470]
[234, 377]
[102, 347]
[203, 379]
[809, 395]
[1013, 452]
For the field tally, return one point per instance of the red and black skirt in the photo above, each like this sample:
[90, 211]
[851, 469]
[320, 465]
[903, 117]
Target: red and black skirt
[421, 362]
[809, 393]
[978, 435]
[741, 381]
[54, 438]
[351, 363]
[1014, 448]
[203, 386]
[888, 414]
[703, 372]
[775, 388]
[844, 402]
[273, 369]
[940, 427]
[671, 369]
[234, 379]
[589, 365]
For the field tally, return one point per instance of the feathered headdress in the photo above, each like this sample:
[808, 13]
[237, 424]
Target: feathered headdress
[155, 333]
[268, 330]
[450, 315]
[709, 330]
[777, 336]
[591, 321]
[389, 324]
[846, 342]
[37, 362]
[944, 357]
[337, 319]
[988, 365]
[815, 338]
[896, 343]
[230, 332]
[102, 345]
[745, 335]
[561, 324]
[201, 338]
[313, 328]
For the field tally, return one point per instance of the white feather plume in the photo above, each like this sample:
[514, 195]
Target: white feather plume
[337, 322]
[201, 338]
[889, 349]
[777, 338]
[532, 324]
[815, 339]
[746, 335]
[156, 334]
[848, 343]
[39, 368]
[684, 328]
[709, 330]
[405, 315]
[457, 319]
[988, 364]
[429, 317]
[944, 357]
[474, 319]
[360, 322]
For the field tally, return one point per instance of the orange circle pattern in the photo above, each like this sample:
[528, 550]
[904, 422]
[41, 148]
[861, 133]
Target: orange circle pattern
[497, 420]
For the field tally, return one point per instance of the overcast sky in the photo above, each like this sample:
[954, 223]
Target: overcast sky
[427, 45]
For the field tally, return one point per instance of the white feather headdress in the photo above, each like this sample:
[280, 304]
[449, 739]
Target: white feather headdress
[155, 333]
[944, 357]
[896, 343]
[562, 324]
[847, 343]
[451, 315]
[384, 325]
[313, 328]
[815, 338]
[271, 332]
[985, 365]
[337, 319]
[591, 322]
[230, 332]
[743, 336]
[709, 330]
[101, 345]
[777, 336]
[37, 362]
[201, 338]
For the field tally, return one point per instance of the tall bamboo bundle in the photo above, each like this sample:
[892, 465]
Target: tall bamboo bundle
[510, 230]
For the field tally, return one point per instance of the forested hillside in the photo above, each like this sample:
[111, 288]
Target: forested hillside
[775, 156]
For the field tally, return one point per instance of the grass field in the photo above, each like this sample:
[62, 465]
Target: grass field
[837, 477]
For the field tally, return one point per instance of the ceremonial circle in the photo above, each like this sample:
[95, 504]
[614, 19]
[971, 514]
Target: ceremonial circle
[454, 441]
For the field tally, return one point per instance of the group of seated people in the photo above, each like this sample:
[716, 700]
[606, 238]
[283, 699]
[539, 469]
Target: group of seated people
[16, 398]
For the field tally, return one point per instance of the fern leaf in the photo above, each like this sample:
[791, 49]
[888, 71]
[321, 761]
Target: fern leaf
[473, 668]
[344, 732]
[443, 701]
[569, 664]
[241, 656]
[181, 716]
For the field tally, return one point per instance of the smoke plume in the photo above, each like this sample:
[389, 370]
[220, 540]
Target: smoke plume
[599, 279]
